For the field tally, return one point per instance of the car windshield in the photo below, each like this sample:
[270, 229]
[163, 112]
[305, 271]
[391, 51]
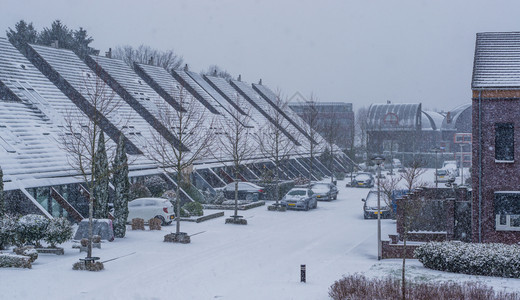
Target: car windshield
[372, 199]
[362, 177]
[297, 193]
[441, 172]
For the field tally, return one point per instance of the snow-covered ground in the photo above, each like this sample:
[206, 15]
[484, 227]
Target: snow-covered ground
[258, 261]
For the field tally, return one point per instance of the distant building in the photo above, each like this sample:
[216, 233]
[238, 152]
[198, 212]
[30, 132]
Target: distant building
[407, 132]
[496, 167]
[339, 114]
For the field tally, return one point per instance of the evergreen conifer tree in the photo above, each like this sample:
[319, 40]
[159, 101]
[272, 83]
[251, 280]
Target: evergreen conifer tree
[122, 189]
[22, 34]
[101, 177]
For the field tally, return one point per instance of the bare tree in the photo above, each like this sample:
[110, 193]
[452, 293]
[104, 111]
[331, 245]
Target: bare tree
[332, 136]
[310, 126]
[168, 59]
[217, 71]
[193, 127]
[409, 206]
[274, 143]
[361, 130]
[236, 143]
[81, 137]
[387, 187]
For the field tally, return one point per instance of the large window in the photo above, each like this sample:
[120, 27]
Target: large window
[504, 142]
[507, 210]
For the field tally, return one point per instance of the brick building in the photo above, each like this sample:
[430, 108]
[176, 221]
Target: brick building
[495, 126]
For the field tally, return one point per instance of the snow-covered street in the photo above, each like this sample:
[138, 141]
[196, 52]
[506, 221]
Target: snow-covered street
[258, 261]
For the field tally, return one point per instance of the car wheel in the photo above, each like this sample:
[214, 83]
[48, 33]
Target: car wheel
[307, 207]
[365, 216]
[163, 221]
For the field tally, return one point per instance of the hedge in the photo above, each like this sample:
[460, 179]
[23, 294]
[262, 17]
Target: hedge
[14, 261]
[475, 259]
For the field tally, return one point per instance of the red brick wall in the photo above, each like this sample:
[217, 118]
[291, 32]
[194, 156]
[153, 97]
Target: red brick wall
[495, 176]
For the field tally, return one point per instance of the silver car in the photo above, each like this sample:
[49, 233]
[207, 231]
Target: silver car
[300, 198]
[325, 191]
[148, 208]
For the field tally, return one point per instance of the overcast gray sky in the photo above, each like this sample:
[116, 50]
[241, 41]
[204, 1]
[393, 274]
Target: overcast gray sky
[362, 51]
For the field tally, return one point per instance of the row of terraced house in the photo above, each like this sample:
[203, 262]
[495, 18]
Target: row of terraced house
[41, 86]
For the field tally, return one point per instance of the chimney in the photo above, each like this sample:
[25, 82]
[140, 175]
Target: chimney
[239, 77]
[260, 82]
[186, 67]
[55, 44]
[215, 73]
[108, 54]
[150, 61]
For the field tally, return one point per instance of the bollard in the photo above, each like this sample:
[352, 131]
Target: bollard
[302, 273]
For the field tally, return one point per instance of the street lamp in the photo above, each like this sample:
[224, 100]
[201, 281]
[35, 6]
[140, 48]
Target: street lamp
[436, 150]
[378, 160]
[461, 165]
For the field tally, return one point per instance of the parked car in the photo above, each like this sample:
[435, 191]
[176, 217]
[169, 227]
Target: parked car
[443, 175]
[325, 191]
[148, 208]
[370, 206]
[451, 167]
[246, 191]
[300, 198]
[363, 180]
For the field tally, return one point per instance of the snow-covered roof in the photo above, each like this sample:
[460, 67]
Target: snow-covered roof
[83, 82]
[288, 113]
[455, 115]
[431, 120]
[497, 61]
[394, 116]
[262, 105]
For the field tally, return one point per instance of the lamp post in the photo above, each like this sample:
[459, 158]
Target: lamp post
[378, 160]
[436, 150]
[461, 166]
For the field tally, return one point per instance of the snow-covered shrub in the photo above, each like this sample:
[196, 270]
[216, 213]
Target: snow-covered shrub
[14, 261]
[96, 266]
[137, 224]
[154, 224]
[7, 231]
[156, 185]
[194, 208]
[339, 175]
[476, 259]
[31, 229]
[357, 286]
[139, 190]
[28, 251]
[59, 231]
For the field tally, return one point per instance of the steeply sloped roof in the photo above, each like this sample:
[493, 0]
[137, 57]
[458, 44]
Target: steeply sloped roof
[497, 61]
[261, 105]
[82, 82]
[29, 144]
[288, 113]
[394, 116]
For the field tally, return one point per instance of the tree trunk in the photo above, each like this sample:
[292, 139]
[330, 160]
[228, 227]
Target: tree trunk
[90, 213]
[178, 204]
[236, 191]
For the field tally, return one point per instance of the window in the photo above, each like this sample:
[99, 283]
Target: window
[504, 142]
[507, 211]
